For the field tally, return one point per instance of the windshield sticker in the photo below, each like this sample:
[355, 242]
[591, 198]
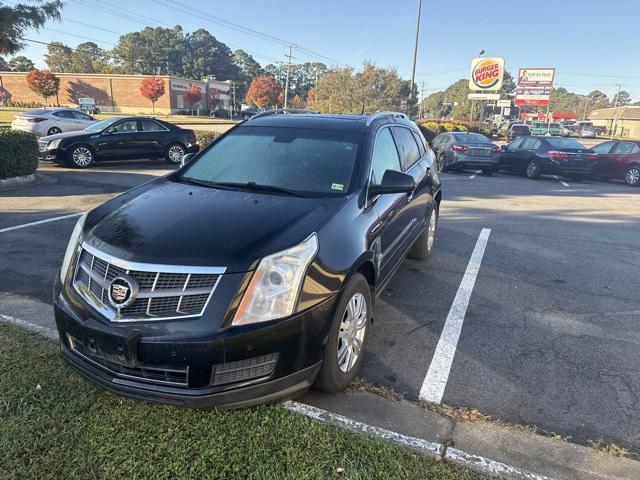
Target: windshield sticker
[337, 186]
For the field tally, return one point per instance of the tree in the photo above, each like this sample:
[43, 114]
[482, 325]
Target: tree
[4, 66]
[44, 83]
[298, 102]
[21, 64]
[192, 96]
[302, 77]
[152, 88]
[156, 51]
[5, 96]
[247, 64]
[621, 99]
[59, 57]
[264, 92]
[597, 99]
[205, 56]
[16, 20]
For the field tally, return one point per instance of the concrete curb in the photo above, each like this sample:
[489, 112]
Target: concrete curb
[27, 180]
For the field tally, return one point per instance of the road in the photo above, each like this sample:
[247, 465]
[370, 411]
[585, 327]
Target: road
[549, 337]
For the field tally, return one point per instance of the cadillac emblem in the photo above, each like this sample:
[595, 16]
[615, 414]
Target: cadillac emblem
[123, 291]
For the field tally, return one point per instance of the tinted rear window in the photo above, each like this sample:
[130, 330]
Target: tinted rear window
[471, 137]
[560, 142]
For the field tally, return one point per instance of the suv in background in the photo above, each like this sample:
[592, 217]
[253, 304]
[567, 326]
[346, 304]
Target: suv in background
[518, 130]
[51, 121]
[251, 273]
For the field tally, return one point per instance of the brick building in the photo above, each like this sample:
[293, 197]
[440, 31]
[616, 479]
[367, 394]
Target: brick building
[120, 93]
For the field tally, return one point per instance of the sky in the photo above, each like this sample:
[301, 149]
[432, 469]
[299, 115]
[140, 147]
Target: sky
[589, 43]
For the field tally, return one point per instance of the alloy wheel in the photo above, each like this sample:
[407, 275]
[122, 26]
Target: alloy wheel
[532, 169]
[352, 331]
[82, 157]
[176, 152]
[54, 131]
[632, 177]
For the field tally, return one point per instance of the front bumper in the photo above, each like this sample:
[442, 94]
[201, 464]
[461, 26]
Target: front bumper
[53, 155]
[235, 367]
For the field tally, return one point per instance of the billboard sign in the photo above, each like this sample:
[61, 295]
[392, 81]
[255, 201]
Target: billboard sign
[534, 86]
[486, 74]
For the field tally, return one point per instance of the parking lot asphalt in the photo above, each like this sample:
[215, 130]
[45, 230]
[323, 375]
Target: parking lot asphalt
[550, 334]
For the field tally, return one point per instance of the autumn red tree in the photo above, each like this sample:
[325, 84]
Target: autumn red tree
[44, 83]
[152, 88]
[192, 96]
[264, 92]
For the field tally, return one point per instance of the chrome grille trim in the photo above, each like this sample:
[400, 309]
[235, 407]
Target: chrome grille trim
[164, 293]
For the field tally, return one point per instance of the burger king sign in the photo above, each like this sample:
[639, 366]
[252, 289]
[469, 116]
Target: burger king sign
[486, 74]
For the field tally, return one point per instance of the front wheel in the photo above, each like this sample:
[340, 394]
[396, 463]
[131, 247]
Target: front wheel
[80, 156]
[423, 246]
[54, 131]
[533, 169]
[440, 164]
[632, 176]
[175, 153]
[345, 345]
[488, 171]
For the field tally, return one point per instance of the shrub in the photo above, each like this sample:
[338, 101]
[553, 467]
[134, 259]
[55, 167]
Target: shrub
[205, 137]
[18, 153]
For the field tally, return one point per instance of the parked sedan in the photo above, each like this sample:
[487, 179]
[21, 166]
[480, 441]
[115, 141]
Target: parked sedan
[619, 159]
[119, 138]
[537, 155]
[518, 130]
[461, 150]
[50, 121]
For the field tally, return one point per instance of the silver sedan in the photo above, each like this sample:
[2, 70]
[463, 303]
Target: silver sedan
[49, 121]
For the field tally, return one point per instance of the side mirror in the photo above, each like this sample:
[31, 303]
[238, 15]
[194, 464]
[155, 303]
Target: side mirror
[186, 159]
[393, 182]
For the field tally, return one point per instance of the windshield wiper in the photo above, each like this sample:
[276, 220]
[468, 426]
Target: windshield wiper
[264, 188]
[206, 183]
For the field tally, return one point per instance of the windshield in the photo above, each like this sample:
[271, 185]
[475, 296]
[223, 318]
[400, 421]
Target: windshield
[564, 143]
[297, 159]
[101, 125]
[471, 137]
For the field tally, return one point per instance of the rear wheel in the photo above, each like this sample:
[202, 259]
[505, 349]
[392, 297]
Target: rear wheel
[488, 171]
[440, 163]
[423, 246]
[533, 169]
[632, 176]
[80, 156]
[53, 131]
[175, 153]
[345, 345]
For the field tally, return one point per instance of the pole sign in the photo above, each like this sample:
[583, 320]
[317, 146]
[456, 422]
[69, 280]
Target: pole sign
[534, 86]
[483, 96]
[486, 74]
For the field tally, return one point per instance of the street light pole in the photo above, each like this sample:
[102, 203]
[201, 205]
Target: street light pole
[415, 50]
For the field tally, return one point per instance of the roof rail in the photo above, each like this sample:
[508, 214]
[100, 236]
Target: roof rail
[375, 115]
[284, 111]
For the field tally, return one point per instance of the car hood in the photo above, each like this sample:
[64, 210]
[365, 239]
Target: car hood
[77, 133]
[167, 222]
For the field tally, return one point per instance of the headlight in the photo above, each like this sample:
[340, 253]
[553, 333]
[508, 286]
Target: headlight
[71, 247]
[273, 290]
[53, 144]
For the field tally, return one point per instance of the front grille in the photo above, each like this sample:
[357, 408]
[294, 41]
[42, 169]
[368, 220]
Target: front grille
[177, 377]
[42, 145]
[162, 294]
[244, 370]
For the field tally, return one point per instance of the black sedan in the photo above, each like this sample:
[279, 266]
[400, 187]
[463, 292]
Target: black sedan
[537, 155]
[119, 138]
[250, 273]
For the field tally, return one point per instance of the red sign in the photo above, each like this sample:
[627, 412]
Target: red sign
[531, 102]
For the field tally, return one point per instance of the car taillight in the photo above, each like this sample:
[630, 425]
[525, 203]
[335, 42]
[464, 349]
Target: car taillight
[459, 148]
[592, 156]
[36, 119]
[558, 155]
[495, 149]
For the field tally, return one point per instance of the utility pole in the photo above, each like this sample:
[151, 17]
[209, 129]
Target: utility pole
[422, 90]
[415, 50]
[286, 85]
[614, 122]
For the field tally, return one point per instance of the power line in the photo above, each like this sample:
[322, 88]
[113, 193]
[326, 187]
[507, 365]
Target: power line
[79, 36]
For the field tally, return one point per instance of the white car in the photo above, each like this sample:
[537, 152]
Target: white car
[49, 121]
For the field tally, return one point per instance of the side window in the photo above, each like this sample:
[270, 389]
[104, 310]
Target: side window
[80, 116]
[407, 146]
[626, 147]
[602, 148]
[421, 147]
[126, 126]
[529, 143]
[385, 156]
[63, 114]
[151, 126]
[515, 145]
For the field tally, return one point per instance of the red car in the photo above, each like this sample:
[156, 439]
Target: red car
[619, 159]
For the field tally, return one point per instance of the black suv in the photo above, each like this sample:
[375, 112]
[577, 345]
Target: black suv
[250, 273]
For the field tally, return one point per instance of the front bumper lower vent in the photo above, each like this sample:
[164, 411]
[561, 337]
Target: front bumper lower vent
[244, 370]
[165, 291]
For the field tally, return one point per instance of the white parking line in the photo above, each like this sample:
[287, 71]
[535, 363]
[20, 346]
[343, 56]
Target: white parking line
[438, 374]
[25, 225]
[563, 183]
[475, 174]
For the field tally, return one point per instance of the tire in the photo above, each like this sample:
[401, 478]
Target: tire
[80, 156]
[632, 176]
[423, 246]
[532, 170]
[440, 164]
[488, 171]
[174, 153]
[53, 131]
[336, 374]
